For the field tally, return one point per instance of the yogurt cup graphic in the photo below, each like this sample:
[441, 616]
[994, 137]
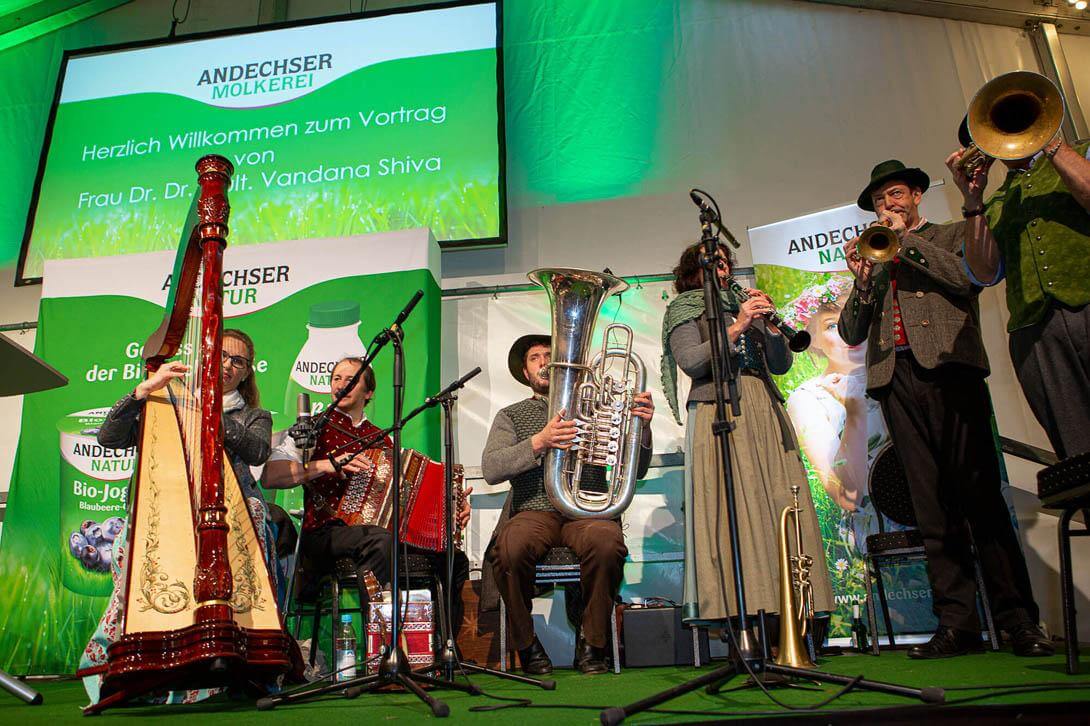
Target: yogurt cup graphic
[94, 483]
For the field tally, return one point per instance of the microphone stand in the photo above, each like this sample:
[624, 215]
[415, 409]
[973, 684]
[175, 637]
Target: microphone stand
[394, 667]
[377, 344]
[17, 688]
[449, 662]
[745, 656]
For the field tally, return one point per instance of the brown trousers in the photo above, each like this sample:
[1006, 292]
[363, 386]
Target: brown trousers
[527, 537]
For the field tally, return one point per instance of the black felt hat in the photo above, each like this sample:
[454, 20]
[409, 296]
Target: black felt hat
[516, 357]
[891, 170]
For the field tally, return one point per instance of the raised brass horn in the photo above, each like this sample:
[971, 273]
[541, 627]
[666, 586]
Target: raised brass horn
[1013, 116]
[878, 243]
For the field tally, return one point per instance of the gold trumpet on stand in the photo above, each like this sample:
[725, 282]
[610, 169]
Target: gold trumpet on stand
[796, 590]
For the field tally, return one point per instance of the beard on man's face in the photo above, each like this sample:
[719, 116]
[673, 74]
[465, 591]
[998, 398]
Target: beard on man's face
[539, 382]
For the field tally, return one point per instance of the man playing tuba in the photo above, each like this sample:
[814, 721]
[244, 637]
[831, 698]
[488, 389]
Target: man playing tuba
[520, 436]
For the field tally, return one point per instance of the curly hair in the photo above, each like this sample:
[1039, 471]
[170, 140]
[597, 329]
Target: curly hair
[689, 273]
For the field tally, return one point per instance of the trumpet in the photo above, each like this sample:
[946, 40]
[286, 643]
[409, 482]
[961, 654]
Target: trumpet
[797, 340]
[796, 590]
[878, 243]
[1012, 116]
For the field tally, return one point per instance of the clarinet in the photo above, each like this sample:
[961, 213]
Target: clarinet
[797, 340]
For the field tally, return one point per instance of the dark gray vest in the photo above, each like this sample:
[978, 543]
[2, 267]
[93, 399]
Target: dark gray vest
[528, 488]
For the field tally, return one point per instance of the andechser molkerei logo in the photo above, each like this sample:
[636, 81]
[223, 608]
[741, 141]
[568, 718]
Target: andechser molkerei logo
[265, 76]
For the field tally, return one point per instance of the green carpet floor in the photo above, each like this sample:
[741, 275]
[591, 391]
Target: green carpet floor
[986, 671]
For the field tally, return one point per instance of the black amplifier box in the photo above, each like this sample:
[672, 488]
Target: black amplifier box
[654, 636]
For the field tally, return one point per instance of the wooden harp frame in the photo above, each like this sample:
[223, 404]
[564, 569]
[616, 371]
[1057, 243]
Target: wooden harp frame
[214, 650]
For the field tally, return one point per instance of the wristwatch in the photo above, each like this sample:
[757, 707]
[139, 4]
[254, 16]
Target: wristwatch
[972, 212]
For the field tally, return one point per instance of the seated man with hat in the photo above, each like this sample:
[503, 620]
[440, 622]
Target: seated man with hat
[926, 367]
[521, 435]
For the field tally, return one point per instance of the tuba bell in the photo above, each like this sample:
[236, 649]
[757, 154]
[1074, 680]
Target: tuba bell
[1012, 116]
[796, 591]
[597, 395]
[878, 243]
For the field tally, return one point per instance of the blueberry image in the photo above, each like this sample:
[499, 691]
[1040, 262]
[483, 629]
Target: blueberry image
[90, 557]
[111, 528]
[105, 556]
[76, 543]
[87, 524]
[93, 534]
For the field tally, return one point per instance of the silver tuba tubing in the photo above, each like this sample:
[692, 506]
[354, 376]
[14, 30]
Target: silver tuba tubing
[597, 399]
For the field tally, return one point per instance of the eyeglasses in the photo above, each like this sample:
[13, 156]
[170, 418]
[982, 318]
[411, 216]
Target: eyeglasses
[235, 361]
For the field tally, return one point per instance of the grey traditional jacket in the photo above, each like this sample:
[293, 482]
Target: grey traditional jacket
[938, 305]
[247, 436]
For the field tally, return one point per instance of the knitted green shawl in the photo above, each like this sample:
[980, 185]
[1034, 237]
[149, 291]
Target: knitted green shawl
[685, 307]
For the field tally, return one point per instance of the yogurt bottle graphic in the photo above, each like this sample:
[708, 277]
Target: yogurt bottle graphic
[332, 333]
[94, 484]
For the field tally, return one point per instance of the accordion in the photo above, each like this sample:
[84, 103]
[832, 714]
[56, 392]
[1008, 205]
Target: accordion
[368, 497]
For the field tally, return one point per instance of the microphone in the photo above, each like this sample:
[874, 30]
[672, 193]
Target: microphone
[404, 314]
[395, 327]
[304, 432]
[705, 208]
[699, 201]
[453, 386]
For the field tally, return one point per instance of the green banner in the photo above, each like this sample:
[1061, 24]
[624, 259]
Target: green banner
[68, 495]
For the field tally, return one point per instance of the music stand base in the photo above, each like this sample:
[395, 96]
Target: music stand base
[20, 690]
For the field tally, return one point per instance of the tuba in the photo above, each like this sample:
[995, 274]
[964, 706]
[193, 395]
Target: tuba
[596, 395]
[796, 592]
[1012, 116]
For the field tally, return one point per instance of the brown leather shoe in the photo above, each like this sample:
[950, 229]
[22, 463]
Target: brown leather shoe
[589, 659]
[947, 643]
[1029, 642]
[534, 660]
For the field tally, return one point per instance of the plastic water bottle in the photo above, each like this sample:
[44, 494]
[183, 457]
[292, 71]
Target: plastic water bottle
[345, 660]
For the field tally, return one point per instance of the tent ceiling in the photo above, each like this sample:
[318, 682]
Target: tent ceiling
[1015, 13]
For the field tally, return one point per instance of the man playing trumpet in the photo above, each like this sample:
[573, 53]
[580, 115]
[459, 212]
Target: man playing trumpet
[926, 367]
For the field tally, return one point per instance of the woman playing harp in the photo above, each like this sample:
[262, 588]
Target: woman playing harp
[190, 613]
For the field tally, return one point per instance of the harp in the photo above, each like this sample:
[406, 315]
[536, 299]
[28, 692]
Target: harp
[199, 608]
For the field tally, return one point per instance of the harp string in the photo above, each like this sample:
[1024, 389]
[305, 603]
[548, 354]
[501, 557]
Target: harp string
[195, 357]
[186, 394]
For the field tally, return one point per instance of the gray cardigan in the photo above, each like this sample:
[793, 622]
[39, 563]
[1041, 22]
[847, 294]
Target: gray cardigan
[247, 434]
[690, 344]
[504, 456]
